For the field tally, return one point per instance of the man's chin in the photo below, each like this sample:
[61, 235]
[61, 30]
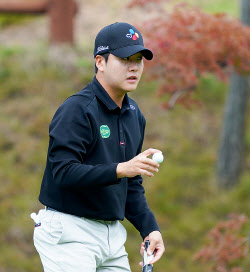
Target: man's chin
[130, 88]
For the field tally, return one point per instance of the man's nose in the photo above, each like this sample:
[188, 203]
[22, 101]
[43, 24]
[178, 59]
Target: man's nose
[133, 66]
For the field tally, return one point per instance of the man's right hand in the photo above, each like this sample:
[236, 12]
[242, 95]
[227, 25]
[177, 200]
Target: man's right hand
[139, 165]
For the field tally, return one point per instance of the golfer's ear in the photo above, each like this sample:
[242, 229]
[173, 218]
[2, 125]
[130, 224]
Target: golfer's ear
[100, 62]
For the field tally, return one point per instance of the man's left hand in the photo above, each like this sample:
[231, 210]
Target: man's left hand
[156, 246]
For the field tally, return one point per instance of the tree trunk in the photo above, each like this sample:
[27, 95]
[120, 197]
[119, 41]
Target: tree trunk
[230, 156]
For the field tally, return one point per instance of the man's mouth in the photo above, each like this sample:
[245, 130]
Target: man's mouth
[132, 78]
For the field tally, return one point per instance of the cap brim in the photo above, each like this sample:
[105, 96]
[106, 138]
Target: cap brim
[128, 51]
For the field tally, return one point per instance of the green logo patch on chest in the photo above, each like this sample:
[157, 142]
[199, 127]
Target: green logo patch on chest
[105, 131]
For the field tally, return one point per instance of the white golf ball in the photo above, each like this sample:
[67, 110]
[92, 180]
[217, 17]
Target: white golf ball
[158, 157]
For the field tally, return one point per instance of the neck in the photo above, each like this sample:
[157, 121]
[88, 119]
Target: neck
[116, 96]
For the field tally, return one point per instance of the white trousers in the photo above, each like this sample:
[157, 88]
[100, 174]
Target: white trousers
[68, 243]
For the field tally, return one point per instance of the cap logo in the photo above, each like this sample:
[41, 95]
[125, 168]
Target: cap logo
[132, 35]
[101, 48]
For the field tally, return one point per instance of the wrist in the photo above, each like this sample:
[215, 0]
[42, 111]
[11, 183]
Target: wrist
[120, 170]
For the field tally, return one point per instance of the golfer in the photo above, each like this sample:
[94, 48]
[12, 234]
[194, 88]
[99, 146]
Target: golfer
[93, 175]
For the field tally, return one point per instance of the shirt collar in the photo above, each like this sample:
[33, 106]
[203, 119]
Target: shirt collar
[102, 94]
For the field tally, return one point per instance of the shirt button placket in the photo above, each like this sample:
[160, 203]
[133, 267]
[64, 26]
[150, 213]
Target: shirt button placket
[121, 136]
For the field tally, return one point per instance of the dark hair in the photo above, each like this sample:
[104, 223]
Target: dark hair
[106, 56]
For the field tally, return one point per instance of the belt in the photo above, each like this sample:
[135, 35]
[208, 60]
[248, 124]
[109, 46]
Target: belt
[50, 209]
[97, 220]
[102, 221]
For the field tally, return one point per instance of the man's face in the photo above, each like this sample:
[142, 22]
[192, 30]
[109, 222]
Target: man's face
[123, 74]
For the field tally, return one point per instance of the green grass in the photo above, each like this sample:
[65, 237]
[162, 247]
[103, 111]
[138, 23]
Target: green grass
[231, 7]
[10, 19]
[30, 92]
[214, 6]
[183, 195]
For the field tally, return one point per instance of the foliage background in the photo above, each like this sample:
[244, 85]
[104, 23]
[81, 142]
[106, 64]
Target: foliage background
[35, 80]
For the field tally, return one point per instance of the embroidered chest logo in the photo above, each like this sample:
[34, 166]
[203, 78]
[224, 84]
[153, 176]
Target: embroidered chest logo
[105, 131]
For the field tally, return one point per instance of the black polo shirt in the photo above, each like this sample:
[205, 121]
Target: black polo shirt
[89, 136]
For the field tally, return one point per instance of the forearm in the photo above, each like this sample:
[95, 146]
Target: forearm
[137, 210]
[80, 176]
[145, 223]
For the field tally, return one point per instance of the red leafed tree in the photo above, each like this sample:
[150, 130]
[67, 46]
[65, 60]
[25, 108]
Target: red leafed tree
[225, 246]
[188, 43]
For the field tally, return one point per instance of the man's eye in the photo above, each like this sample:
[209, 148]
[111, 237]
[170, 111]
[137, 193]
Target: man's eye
[139, 59]
[125, 58]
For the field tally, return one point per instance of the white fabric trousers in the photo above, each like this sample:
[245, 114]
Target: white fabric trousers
[68, 243]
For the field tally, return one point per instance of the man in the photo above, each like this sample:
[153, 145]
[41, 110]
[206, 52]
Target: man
[94, 166]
